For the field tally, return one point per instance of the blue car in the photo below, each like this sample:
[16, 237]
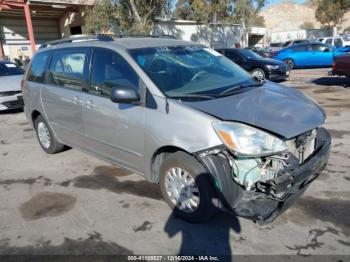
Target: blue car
[312, 54]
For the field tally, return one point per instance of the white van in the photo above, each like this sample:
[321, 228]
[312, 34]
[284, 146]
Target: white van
[335, 41]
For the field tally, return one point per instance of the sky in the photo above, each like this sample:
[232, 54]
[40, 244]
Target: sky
[271, 2]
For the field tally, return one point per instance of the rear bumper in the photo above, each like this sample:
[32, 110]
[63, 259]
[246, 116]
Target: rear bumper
[282, 192]
[339, 72]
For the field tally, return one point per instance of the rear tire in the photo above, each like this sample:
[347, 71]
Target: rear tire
[46, 137]
[186, 187]
[290, 63]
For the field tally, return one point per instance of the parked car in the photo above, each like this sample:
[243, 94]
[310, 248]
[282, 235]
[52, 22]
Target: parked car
[335, 41]
[11, 76]
[259, 67]
[313, 54]
[261, 51]
[183, 116]
[341, 65]
[274, 47]
[295, 42]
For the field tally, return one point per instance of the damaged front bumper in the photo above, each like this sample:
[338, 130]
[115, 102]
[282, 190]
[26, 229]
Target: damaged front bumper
[270, 198]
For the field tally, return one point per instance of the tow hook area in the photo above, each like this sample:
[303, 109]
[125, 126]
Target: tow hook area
[261, 188]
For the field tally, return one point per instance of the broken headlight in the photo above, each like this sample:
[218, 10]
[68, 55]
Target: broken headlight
[244, 140]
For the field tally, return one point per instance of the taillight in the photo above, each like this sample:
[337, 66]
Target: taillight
[334, 66]
[22, 84]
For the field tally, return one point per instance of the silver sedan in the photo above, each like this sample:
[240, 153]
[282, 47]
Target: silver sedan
[10, 86]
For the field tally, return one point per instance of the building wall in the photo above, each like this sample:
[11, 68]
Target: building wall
[14, 35]
[218, 36]
[71, 20]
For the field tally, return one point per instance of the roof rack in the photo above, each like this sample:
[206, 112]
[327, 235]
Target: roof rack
[100, 37]
[78, 38]
[123, 35]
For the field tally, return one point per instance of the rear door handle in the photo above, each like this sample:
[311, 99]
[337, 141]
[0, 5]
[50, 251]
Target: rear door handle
[77, 100]
[89, 104]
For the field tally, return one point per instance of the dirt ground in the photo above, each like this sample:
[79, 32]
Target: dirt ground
[71, 203]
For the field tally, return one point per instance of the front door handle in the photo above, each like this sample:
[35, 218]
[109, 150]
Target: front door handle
[89, 104]
[77, 100]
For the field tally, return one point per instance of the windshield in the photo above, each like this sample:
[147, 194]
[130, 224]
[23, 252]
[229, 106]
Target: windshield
[184, 70]
[10, 69]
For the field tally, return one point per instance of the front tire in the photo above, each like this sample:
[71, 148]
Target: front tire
[186, 187]
[259, 74]
[46, 138]
[290, 63]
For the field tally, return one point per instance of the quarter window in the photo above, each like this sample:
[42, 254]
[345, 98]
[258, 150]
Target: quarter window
[109, 70]
[36, 71]
[67, 68]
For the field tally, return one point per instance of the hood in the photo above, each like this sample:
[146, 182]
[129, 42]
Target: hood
[10, 83]
[269, 61]
[275, 108]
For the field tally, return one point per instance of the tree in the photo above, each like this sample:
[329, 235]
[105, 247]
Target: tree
[138, 15]
[307, 25]
[128, 15]
[331, 12]
[99, 18]
[211, 11]
[246, 12]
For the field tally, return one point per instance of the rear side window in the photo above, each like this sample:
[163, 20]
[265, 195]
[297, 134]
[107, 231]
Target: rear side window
[36, 71]
[299, 48]
[109, 70]
[233, 56]
[67, 68]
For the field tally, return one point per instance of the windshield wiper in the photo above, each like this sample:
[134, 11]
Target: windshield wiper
[239, 88]
[192, 95]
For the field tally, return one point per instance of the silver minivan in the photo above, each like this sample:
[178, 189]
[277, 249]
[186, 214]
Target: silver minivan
[181, 115]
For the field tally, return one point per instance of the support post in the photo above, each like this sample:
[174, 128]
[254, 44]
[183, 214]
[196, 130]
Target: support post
[29, 27]
[1, 51]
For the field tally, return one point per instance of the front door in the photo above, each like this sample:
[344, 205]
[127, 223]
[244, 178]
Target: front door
[115, 131]
[238, 59]
[321, 55]
[63, 97]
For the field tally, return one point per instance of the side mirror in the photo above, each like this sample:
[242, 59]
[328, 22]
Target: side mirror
[124, 95]
[326, 50]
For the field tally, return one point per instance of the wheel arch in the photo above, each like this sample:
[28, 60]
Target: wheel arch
[291, 59]
[158, 157]
[34, 115]
[263, 68]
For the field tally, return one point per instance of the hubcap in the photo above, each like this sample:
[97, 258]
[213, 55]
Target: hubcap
[289, 64]
[44, 135]
[259, 75]
[182, 189]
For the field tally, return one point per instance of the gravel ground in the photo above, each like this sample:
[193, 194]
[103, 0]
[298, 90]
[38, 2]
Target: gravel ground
[71, 203]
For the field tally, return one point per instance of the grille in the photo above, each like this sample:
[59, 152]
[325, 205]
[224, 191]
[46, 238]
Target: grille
[303, 146]
[10, 93]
